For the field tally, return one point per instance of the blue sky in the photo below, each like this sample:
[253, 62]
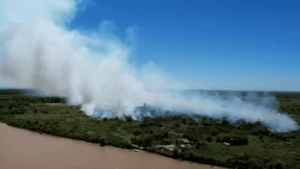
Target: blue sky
[214, 44]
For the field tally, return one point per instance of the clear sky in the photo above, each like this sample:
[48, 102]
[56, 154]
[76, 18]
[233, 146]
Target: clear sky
[214, 44]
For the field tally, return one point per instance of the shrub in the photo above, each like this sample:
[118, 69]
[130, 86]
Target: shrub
[199, 145]
[144, 141]
[278, 136]
[44, 111]
[260, 131]
[209, 139]
[214, 132]
[239, 140]
[223, 138]
[195, 157]
[137, 132]
[276, 165]
[232, 139]
[102, 141]
[243, 161]
[191, 136]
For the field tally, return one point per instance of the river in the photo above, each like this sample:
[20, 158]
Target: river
[21, 149]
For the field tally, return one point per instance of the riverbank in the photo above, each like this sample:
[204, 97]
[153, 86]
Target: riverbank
[21, 149]
[210, 141]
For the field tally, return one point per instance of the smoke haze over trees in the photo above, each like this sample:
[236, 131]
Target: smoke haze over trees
[92, 69]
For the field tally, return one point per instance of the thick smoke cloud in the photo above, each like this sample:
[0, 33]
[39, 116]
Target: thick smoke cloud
[92, 69]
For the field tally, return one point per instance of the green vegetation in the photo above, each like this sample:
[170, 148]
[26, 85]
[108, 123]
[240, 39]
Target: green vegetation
[209, 141]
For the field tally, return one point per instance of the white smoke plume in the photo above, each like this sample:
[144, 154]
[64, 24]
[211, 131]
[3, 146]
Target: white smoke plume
[92, 69]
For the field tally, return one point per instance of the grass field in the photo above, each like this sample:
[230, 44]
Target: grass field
[251, 144]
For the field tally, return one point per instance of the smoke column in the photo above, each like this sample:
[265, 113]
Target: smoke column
[92, 69]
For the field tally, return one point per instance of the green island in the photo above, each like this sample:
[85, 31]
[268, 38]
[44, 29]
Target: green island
[208, 141]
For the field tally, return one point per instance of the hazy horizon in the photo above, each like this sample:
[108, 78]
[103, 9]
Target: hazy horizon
[209, 45]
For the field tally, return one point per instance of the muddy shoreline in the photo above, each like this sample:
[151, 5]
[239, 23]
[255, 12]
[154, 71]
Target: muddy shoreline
[22, 149]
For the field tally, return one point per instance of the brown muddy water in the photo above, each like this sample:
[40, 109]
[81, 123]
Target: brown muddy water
[21, 149]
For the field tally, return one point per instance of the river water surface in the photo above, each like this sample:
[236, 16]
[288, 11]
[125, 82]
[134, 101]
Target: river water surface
[21, 149]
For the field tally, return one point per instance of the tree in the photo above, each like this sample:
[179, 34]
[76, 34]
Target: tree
[129, 119]
[175, 152]
[225, 121]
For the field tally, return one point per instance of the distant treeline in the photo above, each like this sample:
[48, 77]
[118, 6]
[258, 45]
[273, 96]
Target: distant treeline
[221, 92]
